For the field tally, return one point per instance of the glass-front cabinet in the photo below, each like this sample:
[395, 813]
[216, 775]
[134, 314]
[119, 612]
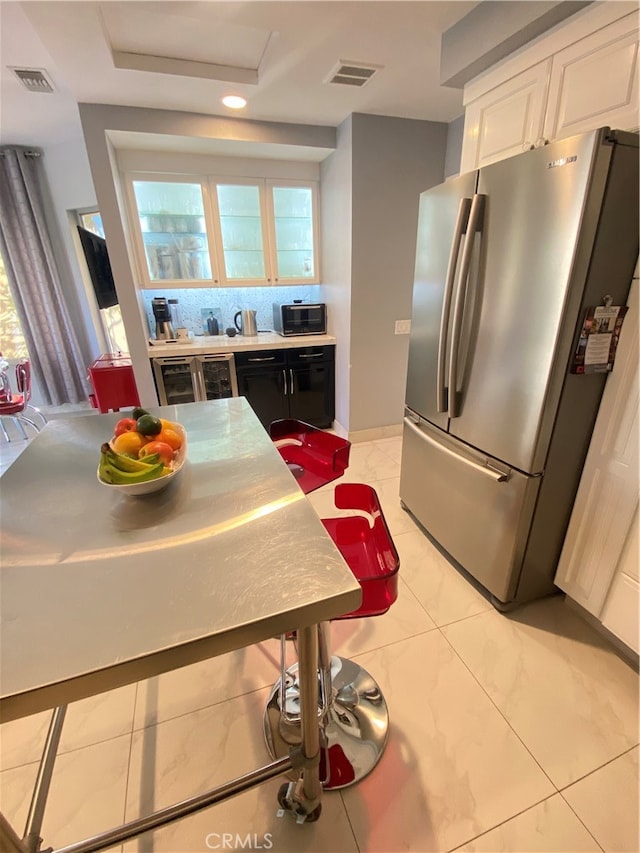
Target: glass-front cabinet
[295, 238]
[174, 232]
[241, 217]
[204, 231]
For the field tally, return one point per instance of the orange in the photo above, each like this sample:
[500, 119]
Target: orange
[167, 424]
[169, 436]
[129, 443]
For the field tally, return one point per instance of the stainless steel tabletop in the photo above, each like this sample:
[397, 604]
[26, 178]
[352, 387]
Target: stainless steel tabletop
[98, 590]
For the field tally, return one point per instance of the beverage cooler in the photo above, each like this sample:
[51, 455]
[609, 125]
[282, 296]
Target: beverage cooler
[187, 379]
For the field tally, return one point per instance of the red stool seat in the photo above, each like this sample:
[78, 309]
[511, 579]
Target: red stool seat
[367, 547]
[314, 457]
[13, 406]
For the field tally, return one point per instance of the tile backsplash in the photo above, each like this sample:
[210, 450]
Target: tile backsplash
[195, 303]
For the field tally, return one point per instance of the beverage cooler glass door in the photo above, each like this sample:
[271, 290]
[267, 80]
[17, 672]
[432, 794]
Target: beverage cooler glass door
[176, 380]
[217, 376]
[174, 231]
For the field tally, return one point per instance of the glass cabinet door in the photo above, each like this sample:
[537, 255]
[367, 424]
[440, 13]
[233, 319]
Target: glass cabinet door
[174, 232]
[241, 227]
[294, 223]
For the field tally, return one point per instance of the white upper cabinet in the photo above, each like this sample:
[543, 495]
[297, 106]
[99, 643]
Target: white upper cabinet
[240, 216]
[172, 231]
[595, 82]
[205, 231]
[295, 231]
[576, 80]
[507, 120]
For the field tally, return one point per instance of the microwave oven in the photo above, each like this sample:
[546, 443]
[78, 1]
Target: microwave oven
[300, 318]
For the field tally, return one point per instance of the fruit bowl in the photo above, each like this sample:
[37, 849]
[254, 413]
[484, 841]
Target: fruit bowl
[148, 487]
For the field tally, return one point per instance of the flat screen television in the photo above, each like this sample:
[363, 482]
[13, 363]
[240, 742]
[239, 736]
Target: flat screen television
[97, 257]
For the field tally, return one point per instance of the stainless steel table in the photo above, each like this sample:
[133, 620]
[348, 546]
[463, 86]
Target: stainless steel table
[101, 590]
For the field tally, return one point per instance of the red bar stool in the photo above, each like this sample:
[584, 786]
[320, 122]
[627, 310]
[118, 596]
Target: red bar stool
[313, 456]
[353, 712]
[16, 406]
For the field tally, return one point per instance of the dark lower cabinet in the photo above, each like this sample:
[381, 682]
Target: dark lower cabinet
[289, 383]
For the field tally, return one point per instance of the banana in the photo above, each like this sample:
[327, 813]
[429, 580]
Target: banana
[127, 463]
[110, 474]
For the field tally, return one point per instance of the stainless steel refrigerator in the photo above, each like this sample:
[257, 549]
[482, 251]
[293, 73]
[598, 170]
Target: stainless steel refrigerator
[496, 424]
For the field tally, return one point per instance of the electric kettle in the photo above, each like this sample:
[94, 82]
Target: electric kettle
[248, 325]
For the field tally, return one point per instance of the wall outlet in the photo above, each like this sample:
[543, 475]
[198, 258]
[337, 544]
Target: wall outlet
[403, 327]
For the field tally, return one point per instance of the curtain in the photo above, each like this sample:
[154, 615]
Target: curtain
[34, 279]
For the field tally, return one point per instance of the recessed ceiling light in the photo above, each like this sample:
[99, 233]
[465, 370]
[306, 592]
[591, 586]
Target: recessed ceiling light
[234, 102]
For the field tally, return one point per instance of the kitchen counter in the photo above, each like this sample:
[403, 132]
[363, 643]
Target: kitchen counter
[100, 590]
[228, 554]
[202, 344]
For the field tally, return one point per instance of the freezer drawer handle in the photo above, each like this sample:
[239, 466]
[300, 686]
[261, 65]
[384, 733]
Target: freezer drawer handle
[475, 224]
[460, 227]
[498, 476]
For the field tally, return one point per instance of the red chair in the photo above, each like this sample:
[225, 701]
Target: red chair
[314, 457]
[355, 720]
[15, 406]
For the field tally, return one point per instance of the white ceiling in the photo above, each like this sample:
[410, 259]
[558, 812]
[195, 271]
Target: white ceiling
[293, 45]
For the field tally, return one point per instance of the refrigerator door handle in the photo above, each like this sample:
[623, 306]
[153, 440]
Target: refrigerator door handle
[475, 224]
[492, 473]
[461, 223]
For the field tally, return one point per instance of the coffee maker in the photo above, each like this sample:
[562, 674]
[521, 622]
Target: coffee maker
[162, 313]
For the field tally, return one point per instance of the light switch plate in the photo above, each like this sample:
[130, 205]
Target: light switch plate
[403, 327]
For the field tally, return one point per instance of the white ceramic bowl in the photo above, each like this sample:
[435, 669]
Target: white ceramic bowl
[148, 487]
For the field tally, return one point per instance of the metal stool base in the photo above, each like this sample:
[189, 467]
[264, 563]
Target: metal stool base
[355, 725]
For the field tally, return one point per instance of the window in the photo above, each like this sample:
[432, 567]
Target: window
[111, 318]
[12, 343]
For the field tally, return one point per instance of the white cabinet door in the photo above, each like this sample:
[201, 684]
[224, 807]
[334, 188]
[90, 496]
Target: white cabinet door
[293, 238]
[607, 497]
[507, 120]
[241, 230]
[594, 82]
[171, 225]
[620, 614]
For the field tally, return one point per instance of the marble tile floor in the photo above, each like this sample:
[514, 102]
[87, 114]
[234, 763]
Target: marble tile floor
[508, 732]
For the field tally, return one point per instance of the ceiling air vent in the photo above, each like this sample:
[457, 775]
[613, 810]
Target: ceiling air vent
[34, 79]
[352, 73]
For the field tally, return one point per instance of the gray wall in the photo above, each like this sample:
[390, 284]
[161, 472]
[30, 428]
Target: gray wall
[336, 225]
[453, 155]
[393, 160]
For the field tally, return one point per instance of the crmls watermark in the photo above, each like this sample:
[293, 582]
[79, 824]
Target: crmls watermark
[235, 841]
